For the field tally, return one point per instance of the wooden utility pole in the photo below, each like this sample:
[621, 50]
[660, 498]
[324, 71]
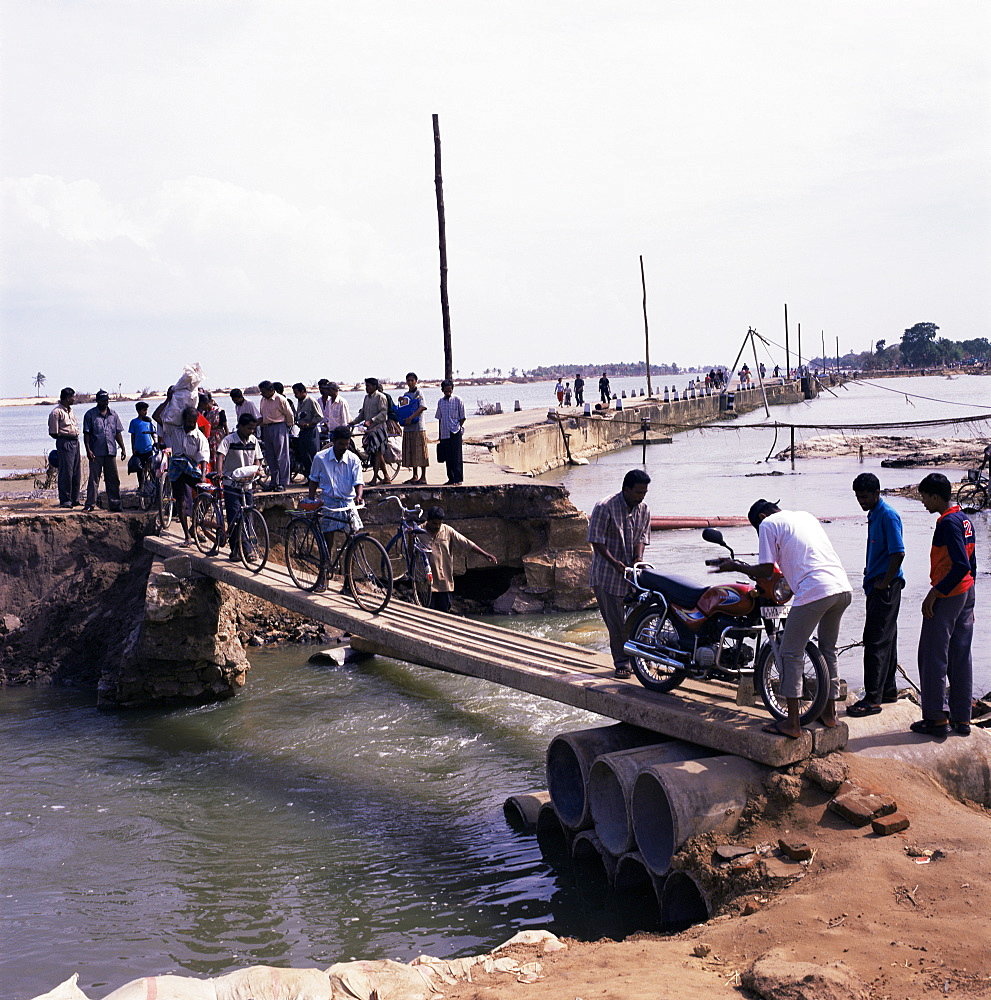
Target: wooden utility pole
[837, 355]
[646, 334]
[799, 345]
[787, 352]
[823, 334]
[445, 308]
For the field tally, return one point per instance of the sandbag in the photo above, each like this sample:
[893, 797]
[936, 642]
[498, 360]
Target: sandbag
[382, 980]
[184, 393]
[65, 991]
[165, 988]
[265, 982]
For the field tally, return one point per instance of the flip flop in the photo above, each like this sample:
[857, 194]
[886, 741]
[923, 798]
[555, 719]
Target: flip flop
[772, 728]
[860, 709]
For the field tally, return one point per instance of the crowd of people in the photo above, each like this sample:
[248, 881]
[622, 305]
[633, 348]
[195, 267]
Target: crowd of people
[795, 543]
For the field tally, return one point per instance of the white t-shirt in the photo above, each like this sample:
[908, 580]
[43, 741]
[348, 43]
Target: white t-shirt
[795, 540]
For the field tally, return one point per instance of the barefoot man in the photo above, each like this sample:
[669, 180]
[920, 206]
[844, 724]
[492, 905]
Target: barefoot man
[795, 540]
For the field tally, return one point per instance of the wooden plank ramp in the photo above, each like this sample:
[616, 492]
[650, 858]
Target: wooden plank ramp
[700, 713]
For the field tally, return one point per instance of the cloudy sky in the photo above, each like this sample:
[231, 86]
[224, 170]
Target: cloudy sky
[249, 183]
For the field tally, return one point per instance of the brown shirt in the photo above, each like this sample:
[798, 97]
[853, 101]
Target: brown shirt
[442, 557]
[276, 410]
[62, 422]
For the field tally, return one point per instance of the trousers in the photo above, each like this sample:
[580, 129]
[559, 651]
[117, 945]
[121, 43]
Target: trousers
[945, 666]
[802, 621]
[69, 470]
[105, 465]
[275, 445]
[881, 643]
[613, 611]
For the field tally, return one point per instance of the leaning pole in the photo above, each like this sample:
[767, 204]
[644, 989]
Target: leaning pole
[445, 308]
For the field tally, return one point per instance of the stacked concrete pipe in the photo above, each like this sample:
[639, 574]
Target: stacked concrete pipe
[640, 889]
[591, 859]
[683, 902]
[521, 810]
[552, 838]
[610, 787]
[671, 803]
[569, 760]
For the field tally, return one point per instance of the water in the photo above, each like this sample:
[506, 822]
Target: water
[356, 812]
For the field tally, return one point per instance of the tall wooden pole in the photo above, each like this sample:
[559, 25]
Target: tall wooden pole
[445, 308]
[799, 345]
[837, 355]
[646, 334]
[823, 333]
[787, 352]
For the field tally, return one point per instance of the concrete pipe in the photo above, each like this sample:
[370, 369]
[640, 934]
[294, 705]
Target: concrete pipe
[593, 863]
[671, 803]
[570, 757]
[683, 902]
[552, 838]
[638, 889]
[521, 810]
[610, 785]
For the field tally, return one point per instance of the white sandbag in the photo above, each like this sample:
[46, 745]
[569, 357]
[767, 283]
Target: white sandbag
[184, 393]
[65, 991]
[383, 980]
[265, 982]
[165, 988]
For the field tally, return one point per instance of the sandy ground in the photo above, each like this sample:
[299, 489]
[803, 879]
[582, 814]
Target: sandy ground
[904, 930]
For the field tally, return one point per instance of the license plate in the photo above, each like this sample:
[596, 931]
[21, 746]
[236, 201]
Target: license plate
[775, 612]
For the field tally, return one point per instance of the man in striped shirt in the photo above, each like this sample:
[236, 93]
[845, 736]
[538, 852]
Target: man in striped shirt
[618, 531]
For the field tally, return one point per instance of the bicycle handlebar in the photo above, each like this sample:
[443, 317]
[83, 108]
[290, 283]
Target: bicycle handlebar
[417, 510]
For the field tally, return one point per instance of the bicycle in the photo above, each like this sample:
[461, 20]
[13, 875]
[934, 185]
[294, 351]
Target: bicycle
[366, 568]
[247, 532]
[408, 553]
[975, 493]
[156, 494]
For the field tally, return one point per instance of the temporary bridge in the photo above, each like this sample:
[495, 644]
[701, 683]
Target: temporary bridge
[702, 713]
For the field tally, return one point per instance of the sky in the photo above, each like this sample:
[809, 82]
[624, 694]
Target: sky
[250, 183]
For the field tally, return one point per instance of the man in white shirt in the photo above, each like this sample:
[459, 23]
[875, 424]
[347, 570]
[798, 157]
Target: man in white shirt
[242, 405]
[238, 450]
[334, 408]
[336, 471]
[796, 542]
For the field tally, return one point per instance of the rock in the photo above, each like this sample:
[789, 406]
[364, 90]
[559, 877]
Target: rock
[515, 602]
[782, 868]
[827, 772]
[894, 822]
[744, 863]
[797, 850]
[9, 623]
[330, 657]
[860, 805]
[786, 788]
[179, 566]
[729, 852]
[775, 976]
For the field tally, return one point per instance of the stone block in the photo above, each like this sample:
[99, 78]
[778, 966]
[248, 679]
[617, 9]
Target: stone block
[827, 772]
[730, 852]
[179, 566]
[797, 850]
[894, 822]
[782, 868]
[859, 806]
[9, 623]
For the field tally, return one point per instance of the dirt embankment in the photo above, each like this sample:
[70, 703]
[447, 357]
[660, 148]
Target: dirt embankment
[77, 583]
[899, 929]
[900, 451]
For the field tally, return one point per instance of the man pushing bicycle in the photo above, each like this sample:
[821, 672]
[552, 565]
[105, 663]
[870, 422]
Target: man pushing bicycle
[336, 472]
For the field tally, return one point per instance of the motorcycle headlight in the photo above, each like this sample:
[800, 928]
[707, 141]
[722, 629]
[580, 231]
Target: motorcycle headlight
[781, 592]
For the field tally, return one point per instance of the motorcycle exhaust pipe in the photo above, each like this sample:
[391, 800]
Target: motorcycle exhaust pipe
[650, 653]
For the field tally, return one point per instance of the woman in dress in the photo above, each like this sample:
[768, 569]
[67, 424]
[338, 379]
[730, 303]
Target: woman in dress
[217, 420]
[374, 414]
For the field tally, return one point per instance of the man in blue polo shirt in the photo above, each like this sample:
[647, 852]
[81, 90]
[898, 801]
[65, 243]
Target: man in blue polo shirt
[883, 583]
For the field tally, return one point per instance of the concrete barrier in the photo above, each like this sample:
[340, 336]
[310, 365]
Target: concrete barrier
[569, 760]
[671, 803]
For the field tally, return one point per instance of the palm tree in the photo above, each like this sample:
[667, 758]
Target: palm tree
[39, 381]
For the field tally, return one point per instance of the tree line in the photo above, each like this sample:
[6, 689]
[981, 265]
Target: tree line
[919, 347]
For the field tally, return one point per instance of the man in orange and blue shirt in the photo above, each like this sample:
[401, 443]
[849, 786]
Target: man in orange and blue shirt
[945, 666]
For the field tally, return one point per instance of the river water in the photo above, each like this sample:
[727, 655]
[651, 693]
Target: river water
[356, 812]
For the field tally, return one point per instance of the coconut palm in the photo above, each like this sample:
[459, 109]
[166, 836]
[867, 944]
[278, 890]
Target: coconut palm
[39, 380]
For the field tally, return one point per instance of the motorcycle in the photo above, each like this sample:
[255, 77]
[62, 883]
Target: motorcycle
[677, 629]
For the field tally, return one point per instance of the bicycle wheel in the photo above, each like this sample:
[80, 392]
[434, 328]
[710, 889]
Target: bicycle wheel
[973, 495]
[421, 576]
[815, 684]
[368, 573]
[649, 626]
[166, 504]
[252, 539]
[305, 558]
[207, 529]
[392, 467]
[148, 492]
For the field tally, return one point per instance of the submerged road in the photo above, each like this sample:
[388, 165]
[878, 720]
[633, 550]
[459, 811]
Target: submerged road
[700, 713]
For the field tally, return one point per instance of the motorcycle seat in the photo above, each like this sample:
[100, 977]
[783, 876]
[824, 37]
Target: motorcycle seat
[676, 589]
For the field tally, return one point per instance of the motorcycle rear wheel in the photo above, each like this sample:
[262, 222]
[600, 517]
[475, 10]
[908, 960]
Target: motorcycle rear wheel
[815, 684]
[650, 626]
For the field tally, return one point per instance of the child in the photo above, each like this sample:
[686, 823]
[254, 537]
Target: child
[443, 540]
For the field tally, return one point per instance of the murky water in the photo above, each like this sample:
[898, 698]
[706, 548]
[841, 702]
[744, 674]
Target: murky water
[328, 813]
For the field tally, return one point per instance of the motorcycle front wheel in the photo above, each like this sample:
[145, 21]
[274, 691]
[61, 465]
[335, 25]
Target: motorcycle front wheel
[815, 684]
[650, 627]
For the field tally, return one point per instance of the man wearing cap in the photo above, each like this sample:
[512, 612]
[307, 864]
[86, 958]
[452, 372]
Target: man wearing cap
[63, 428]
[103, 434]
[796, 542]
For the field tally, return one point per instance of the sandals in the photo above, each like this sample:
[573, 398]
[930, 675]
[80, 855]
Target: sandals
[960, 728]
[862, 708]
[927, 727]
[623, 673]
